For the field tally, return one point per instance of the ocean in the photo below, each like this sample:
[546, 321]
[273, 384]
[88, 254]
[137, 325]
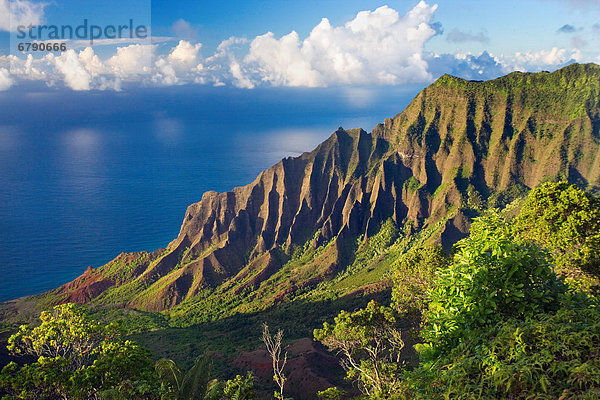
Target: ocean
[85, 176]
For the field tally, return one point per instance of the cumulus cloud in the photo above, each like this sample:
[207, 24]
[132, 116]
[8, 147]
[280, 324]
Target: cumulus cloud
[457, 36]
[376, 47]
[131, 61]
[182, 64]
[467, 66]
[183, 29]
[224, 64]
[6, 80]
[85, 70]
[75, 75]
[21, 12]
[185, 54]
[543, 59]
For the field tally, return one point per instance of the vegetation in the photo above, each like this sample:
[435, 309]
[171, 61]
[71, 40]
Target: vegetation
[414, 274]
[369, 345]
[565, 220]
[491, 280]
[274, 348]
[510, 313]
[549, 356]
[77, 358]
[497, 321]
[197, 382]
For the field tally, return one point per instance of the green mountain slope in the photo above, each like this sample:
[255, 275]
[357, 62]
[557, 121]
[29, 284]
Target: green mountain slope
[330, 223]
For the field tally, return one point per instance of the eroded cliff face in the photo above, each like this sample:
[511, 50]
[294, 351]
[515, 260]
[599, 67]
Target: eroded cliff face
[343, 189]
[458, 147]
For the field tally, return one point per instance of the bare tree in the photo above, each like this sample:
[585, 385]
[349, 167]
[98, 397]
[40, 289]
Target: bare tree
[370, 345]
[273, 345]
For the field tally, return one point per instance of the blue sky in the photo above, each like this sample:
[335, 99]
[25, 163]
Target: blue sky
[310, 43]
[510, 25]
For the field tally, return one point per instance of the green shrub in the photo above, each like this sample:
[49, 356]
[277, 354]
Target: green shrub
[414, 275]
[77, 358]
[546, 356]
[369, 346]
[491, 280]
[565, 220]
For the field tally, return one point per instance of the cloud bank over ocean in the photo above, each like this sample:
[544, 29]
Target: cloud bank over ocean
[378, 47]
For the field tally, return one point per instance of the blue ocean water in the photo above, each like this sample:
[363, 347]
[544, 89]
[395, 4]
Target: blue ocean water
[85, 176]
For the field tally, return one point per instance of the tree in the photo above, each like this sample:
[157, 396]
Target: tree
[565, 220]
[77, 358]
[414, 274]
[196, 383]
[193, 384]
[332, 393]
[120, 368]
[239, 388]
[492, 279]
[274, 348]
[370, 346]
[66, 331]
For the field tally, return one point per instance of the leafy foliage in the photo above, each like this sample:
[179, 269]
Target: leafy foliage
[239, 388]
[565, 220]
[414, 274]
[196, 383]
[77, 358]
[499, 323]
[491, 280]
[546, 356]
[370, 346]
[66, 331]
[332, 393]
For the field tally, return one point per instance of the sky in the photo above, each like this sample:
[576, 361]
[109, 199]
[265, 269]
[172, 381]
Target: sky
[291, 43]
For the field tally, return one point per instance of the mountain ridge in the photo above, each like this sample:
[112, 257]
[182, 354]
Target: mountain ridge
[458, 147]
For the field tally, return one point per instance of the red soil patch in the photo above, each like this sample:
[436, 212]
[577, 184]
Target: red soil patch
[309, 368]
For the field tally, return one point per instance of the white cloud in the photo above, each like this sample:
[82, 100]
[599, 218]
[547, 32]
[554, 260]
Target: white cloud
[91, 62]
[183, 29]
[29, 68]
[376, 47]
[5, 79]
[185, 54]
[379, 47]
[165, 73]
[131, 62]
[21, 12]
[281, 62]
[240, 79]
[224, 64]
[85, 70]
[535, 61]
[467, 66]
[180, 66]
[75, 75]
